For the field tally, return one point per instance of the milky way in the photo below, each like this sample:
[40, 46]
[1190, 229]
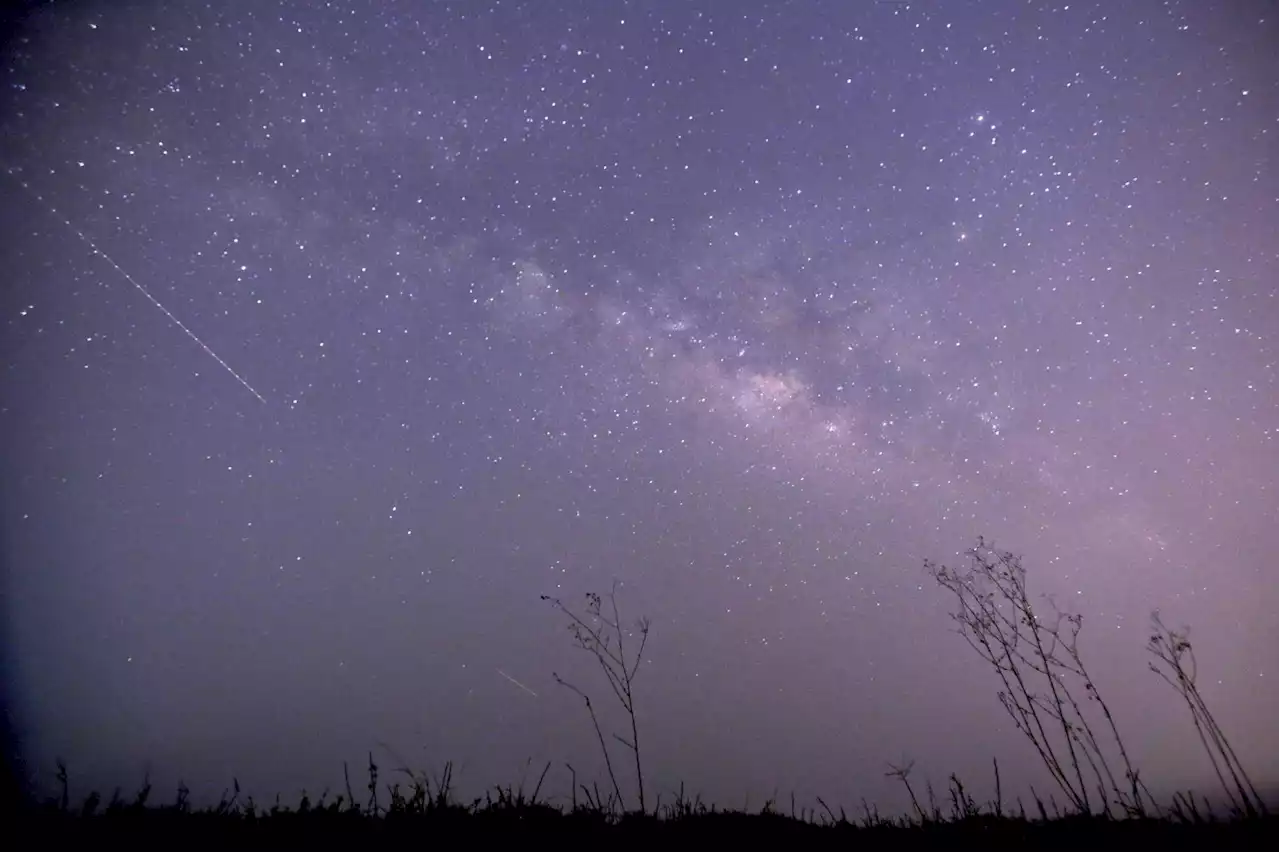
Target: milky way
[751, 307]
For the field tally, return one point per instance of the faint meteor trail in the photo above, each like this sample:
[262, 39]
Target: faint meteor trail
[517, 683]
[143, 290]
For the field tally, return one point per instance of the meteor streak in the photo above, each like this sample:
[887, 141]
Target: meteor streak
[517, 683]
[127, 277]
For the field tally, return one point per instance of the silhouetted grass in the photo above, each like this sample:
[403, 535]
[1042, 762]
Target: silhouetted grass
[1048, 693]
[423, 810]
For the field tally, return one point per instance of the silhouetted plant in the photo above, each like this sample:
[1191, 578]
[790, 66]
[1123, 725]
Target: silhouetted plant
[64, 800]
[423, 798]
[962, 805]
[231, 805]
[1172, 649]
[373, 786]
[505, 817]
[1039, 663]
[903, 773]
[605, 639]
[997, 807]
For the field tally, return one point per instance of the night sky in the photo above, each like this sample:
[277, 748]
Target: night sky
[333, 335]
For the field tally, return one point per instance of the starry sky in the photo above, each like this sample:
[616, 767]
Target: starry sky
[334, 334]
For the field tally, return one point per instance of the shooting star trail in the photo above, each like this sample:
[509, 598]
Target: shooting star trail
[517, 683]
[143, 290]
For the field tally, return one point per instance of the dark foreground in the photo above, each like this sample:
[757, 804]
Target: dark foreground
[280, 827]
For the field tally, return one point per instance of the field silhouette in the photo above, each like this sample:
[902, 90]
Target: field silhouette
[1100, 796]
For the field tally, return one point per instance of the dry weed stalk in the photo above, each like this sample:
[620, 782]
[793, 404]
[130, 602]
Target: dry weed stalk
[1177, 667]
[1040, 666]
[605, 639]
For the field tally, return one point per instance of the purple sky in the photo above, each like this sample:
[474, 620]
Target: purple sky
[749, 306]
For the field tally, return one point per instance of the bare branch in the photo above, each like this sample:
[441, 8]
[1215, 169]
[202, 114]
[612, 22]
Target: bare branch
[606, 641]
[1040, 667]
